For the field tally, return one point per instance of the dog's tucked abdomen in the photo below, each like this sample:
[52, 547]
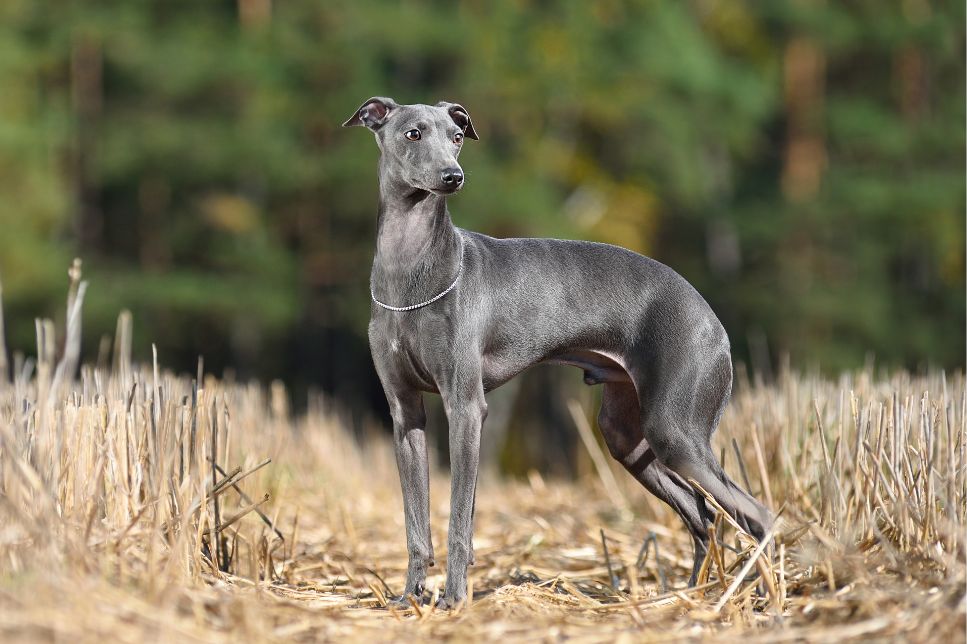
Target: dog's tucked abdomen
[609, 311]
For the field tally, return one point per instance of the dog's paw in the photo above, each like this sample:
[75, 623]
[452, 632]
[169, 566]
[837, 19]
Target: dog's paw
[399, 603]
[406, 600]
[447, 602]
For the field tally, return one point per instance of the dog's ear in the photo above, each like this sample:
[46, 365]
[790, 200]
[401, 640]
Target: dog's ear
[373, 113]
[461, 117]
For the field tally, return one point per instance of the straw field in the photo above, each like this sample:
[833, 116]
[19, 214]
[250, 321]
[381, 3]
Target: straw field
[139, 504]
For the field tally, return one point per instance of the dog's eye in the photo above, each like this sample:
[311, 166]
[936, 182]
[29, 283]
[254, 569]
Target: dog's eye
[458, 138]
[413, 135]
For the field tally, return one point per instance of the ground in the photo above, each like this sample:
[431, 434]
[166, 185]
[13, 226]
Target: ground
[106, 504]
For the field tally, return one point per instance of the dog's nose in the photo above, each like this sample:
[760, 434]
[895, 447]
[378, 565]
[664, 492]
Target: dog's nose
[452, 177]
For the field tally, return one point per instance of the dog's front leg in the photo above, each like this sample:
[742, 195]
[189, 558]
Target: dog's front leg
[466, 410]
[409, 438]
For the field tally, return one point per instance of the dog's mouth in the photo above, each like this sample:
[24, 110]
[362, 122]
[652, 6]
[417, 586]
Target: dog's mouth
[447, 190]
[439, 189]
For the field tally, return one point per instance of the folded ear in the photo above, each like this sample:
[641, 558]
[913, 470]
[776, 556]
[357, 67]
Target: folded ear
[461, 117]
[372, 113]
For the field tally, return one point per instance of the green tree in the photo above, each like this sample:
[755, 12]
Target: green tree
[801, 162]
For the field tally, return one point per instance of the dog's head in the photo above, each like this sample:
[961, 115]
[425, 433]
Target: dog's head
[419, 143]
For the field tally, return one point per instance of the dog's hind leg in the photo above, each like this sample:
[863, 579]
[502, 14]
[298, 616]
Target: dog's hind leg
[682, 409]
[620, 423]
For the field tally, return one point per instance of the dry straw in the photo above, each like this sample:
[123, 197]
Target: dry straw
[135, 503]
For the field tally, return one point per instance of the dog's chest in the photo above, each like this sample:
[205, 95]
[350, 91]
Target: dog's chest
[411, 346]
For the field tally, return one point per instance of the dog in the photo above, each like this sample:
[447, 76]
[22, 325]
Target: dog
[459, 313]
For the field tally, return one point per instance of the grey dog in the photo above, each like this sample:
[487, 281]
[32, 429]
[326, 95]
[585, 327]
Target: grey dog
[459, 313]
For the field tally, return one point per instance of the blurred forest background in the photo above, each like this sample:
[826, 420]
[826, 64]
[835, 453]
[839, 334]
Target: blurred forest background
[801, 162]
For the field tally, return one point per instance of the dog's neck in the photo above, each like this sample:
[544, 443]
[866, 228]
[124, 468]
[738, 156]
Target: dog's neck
[417, 248]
